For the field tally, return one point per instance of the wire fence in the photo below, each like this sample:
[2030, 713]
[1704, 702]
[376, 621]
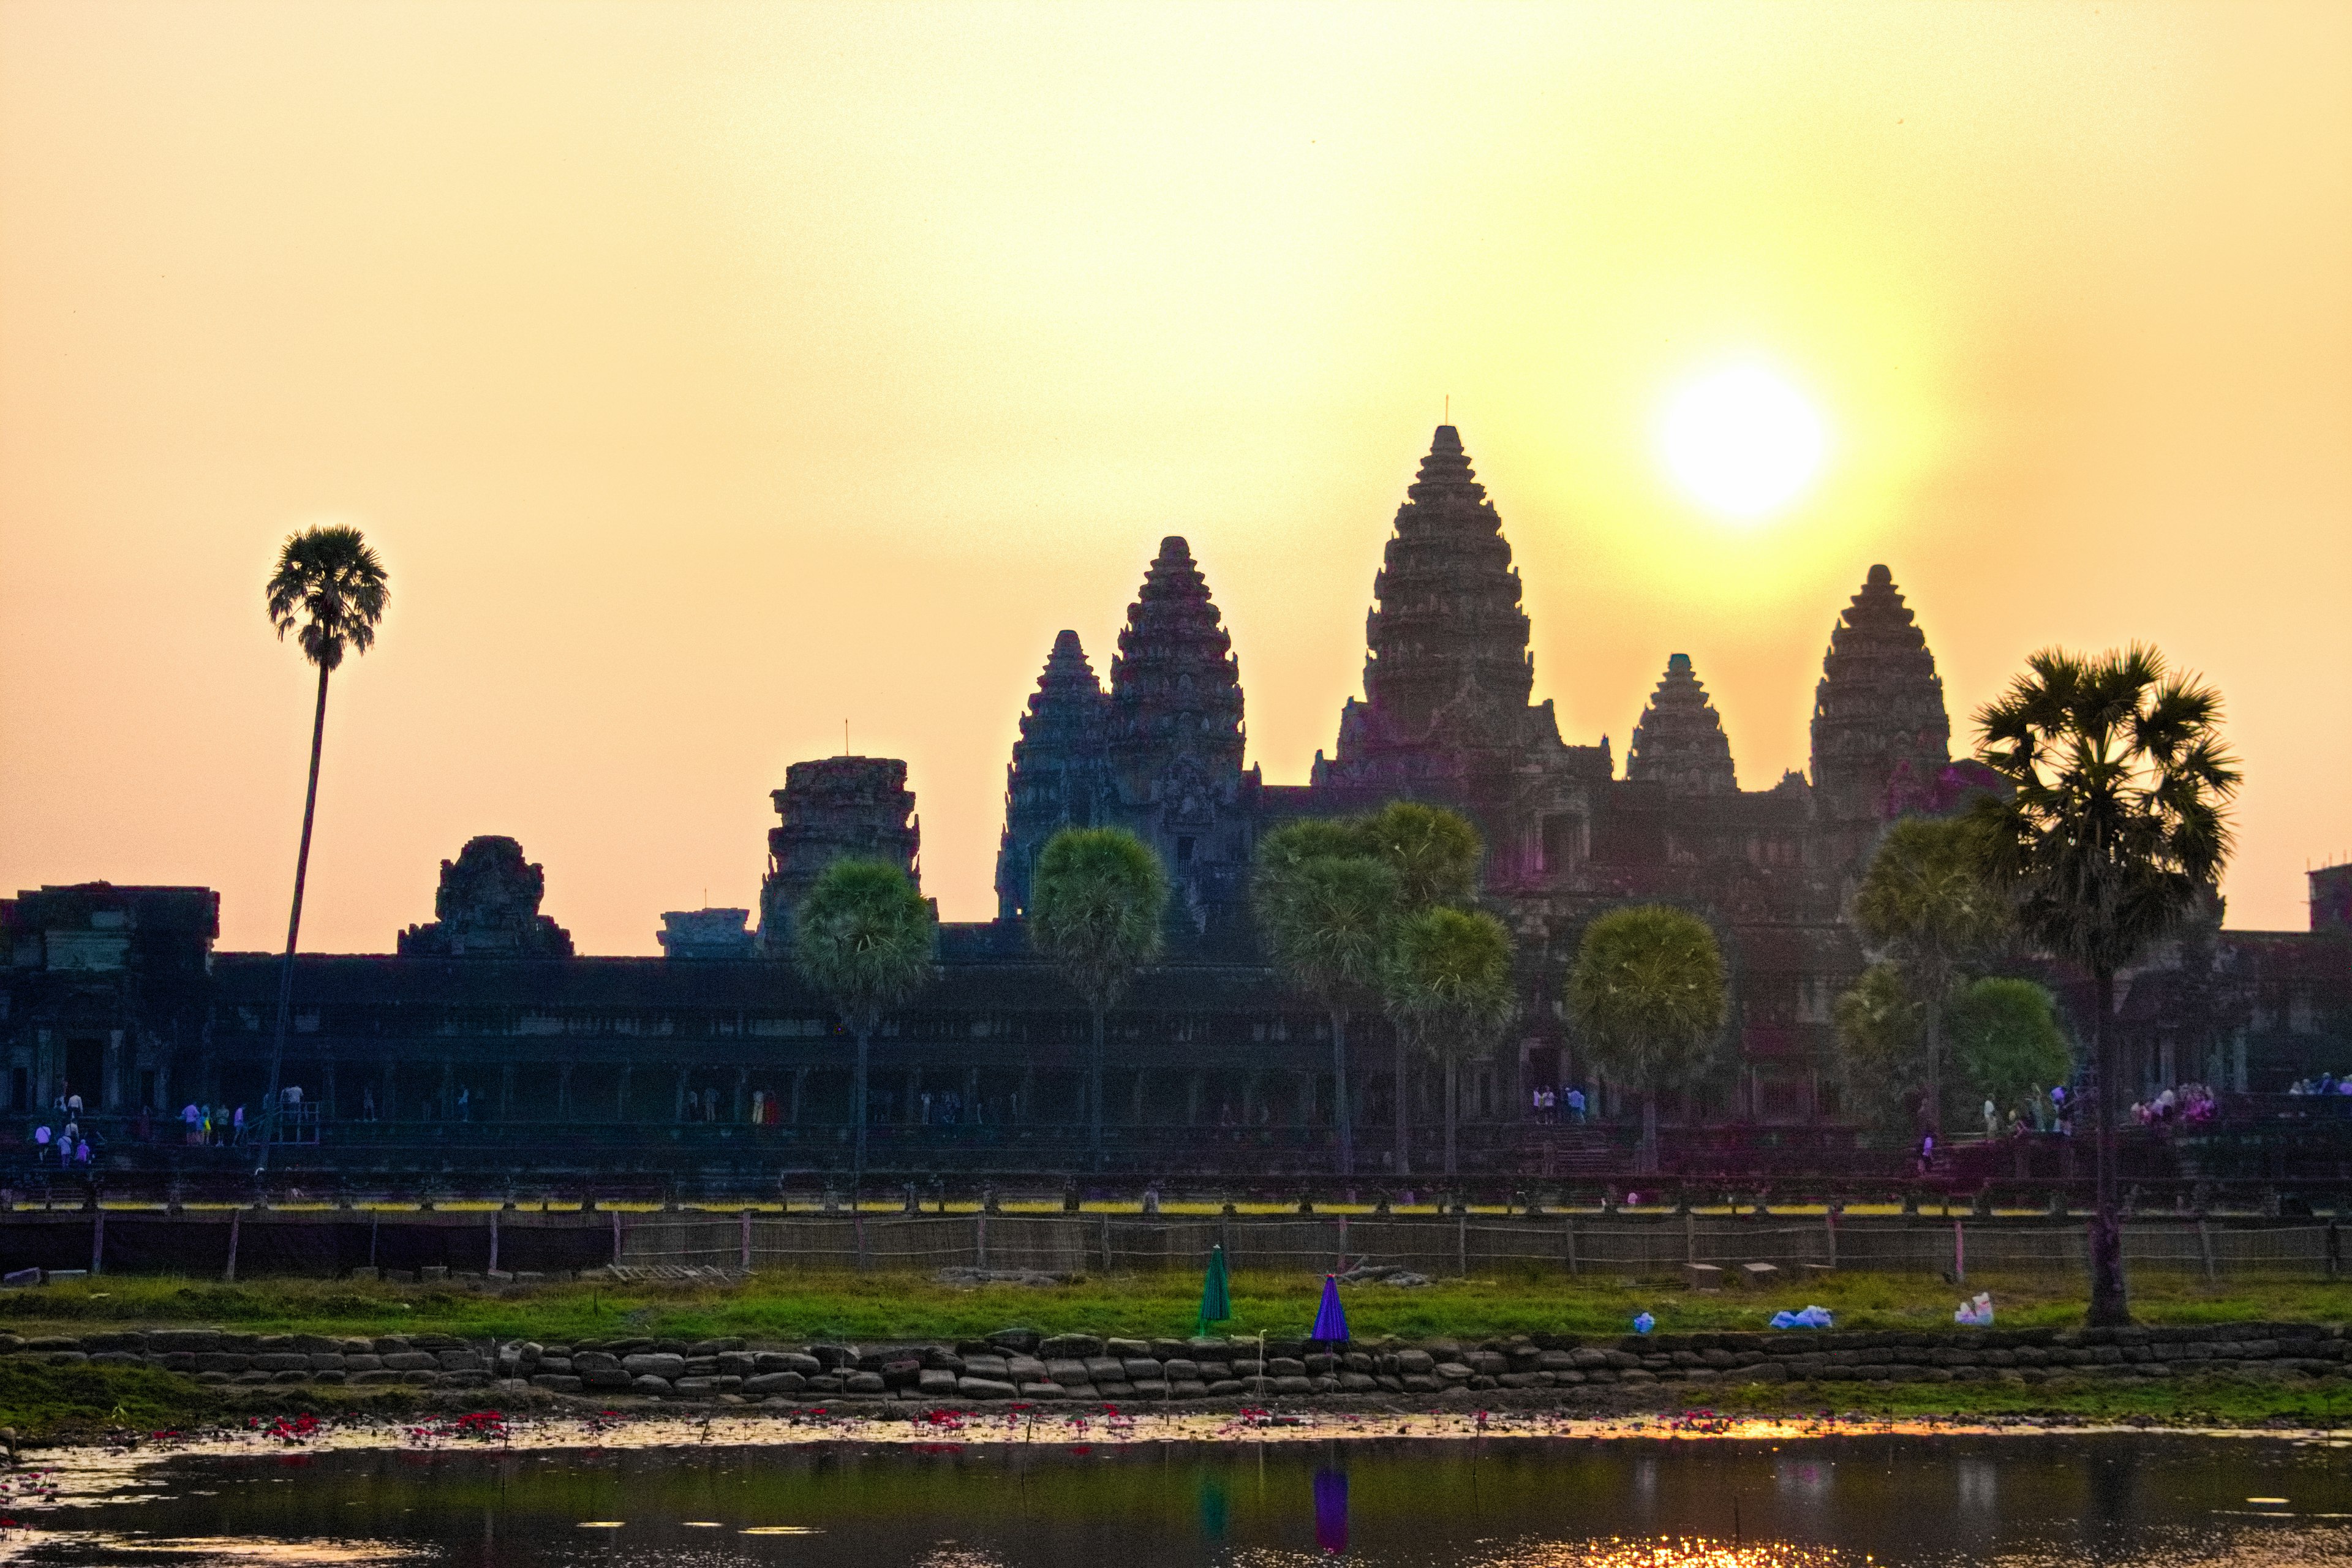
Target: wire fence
[1635, 1247]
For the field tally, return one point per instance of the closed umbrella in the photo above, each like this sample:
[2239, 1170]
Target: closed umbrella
[1330, 1322]
[1216, 1295]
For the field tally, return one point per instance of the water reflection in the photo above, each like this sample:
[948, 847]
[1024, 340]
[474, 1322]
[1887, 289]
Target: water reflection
[2039, 1502]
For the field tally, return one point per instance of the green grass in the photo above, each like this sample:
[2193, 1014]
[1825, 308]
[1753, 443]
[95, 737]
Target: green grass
[879, 1305]
[2197, 1401]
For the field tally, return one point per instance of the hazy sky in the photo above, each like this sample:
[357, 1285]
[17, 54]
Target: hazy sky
[707, 375]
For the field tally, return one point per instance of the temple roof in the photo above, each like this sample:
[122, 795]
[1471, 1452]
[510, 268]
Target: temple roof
[1175, 686]
[1880, 703]
[1680, 741]
[1448, 616]
[1066, 713]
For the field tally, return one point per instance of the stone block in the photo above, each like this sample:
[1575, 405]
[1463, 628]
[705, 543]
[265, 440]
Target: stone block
[653, 1363]
[1758, 1275]
[1024, 1369]
[117, 1358]
[929, 1381]
[1415, 1363]
[177, 1341]
[863, 1382]
[281, 1360]
[1703, 1275]
[1127, 1350]
[1042, 1391]
[412, 1361]
[992, 1368]
[972, 1387]
[1181, 1370]
[1104, 1369]
[646, 1383]
[1140, 1368]
[556, 1381]
[1070, 1347]
[1455, 1371]
[774, 1383]
[1300, 1384]
[1357, 1383]
[696, 1387]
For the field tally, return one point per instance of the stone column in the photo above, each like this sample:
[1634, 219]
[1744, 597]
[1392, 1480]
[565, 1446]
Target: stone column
[912, 1110]
[1027, 1110]
[110, 1078]
[1135, 1110]
[563, 1092]
[506, 1091]
[384, 1109]
[621, 1095]
[327, 1087]
[971, 1095]
[678, 1110]
[1192, 1085]
[799, 1088]
[742, 1083]
[1306, 1097]
[448, 1089]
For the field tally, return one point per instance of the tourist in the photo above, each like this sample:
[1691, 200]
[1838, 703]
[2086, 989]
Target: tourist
[81, 1153]
[367, 1102]
[190, 1118]
[465, 1104]
[72, 1131]
[40, 1141]
[236, 1126]
[1992, 1118]
[1575, 1105]
[73, 1106]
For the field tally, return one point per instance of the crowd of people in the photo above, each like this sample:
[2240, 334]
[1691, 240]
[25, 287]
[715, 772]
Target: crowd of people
[2189, 1102]
[1548, 1104]
[2325, 1083]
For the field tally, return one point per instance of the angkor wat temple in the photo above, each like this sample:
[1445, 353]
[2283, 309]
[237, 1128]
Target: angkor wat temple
[484, 1037]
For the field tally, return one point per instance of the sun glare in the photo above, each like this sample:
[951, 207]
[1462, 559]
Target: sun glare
[1743, 443]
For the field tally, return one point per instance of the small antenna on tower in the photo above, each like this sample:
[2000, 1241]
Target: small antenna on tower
[1449, 408]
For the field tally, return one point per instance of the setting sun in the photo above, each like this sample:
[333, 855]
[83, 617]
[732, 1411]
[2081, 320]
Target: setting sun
[1743, 442]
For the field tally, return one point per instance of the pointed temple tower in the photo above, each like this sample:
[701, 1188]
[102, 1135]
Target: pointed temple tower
[1060, 775]
[1680, 743]
[834, 808]
[1446, 671]
[1175, 686]
[1879, 722]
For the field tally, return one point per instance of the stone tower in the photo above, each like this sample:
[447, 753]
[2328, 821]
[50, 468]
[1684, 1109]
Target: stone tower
[487, 907]
[1680, 743]
[1175, 718]
[1448, 616]
[1879, 722]
[834, 808]
[1060, 774]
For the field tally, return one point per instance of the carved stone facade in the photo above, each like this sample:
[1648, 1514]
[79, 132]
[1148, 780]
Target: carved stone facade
[487, 907]
[834, 808]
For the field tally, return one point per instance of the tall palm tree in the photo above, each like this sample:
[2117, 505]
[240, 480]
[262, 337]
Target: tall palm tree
[863, 938]
[1925, 900]
[2115, 824]
[1096, 903]
[1647, 997]
[328, 591]
[1448, 986]
[1325, 921]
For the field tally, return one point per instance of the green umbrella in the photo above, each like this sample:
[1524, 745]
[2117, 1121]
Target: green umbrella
[1216, 1300]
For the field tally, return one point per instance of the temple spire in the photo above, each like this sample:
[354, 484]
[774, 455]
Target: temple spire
[1878, 712]
[1175, 686]
[1680, 743]
[1448, 616]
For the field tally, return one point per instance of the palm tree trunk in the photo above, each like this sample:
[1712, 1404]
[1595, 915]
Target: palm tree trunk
[2110, 1297]
[1095, 1093]
[294, 923]
[1403, 1115]
[1343, 1119]
[1647, 1162]
[857, 1107]
[1452, 1097]
[1932, 1039]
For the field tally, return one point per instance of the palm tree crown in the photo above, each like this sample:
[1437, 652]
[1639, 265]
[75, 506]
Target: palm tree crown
[1097, 901]
[330, 591]
[1647, 995]
[2118, 815]
[1447, 980]
[864, 937]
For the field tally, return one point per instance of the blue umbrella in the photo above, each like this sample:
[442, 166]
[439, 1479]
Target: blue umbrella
[1330, 1322]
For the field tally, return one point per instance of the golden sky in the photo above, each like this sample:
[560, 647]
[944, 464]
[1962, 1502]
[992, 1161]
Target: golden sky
[709, 374]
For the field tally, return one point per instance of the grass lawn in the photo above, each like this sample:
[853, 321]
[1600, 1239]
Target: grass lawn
[881, 1306]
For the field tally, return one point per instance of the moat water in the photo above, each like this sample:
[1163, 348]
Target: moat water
[1499, 1503]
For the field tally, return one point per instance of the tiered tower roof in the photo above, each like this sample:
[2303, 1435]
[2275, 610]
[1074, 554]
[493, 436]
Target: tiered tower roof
[1058, 777]
[1448, 613]
[1175, 686]
[1067, 712]
[1680, 741]
[1879, 709]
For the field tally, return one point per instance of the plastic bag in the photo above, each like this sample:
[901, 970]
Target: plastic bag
[1810, 1318]
[1645, 1323]
[1975, 1314]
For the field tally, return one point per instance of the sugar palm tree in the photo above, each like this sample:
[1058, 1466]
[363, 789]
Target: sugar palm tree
[1447, 982]
[2006, 1036]
[328, 591]
[1095, 904]
[1927, 902]
[1647, 995]
[863, 938]
[1324, 920]
[1435, 852]
[2114, 823]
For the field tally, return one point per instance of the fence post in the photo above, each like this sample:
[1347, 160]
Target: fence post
[1343, 1244]
[857, 1234]
[2205, 1247]
[616, 1238]
[494, 1241]
[98, 1242]
[1105, 1243]
[1690, 1236]
[236, 1220]
[747, 1241]
[1959, 1254]
[375, 1220]
[1462, 1243]
[1829, 1224]
[980, 1238]
[2335, 1249]
[1568, 1238]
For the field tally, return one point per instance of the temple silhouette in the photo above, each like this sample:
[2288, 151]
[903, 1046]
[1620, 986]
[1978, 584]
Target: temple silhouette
[484, 1038]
